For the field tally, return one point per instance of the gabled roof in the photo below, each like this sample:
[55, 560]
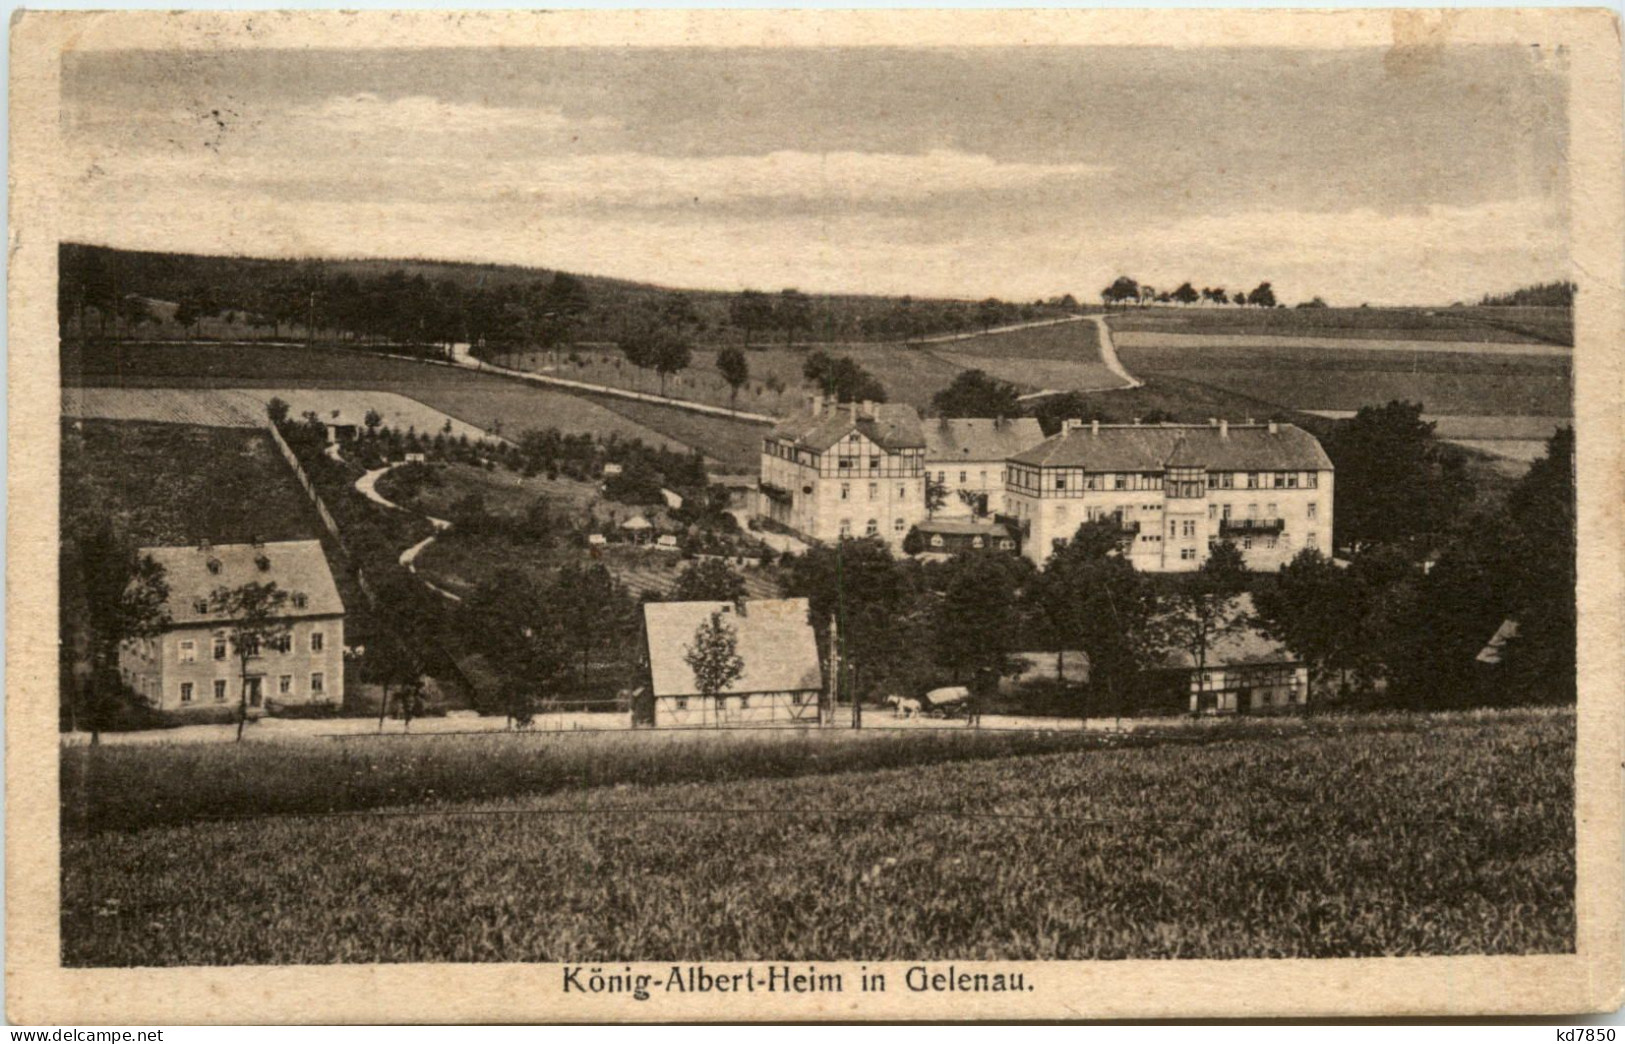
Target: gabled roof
[774, 639]
[948, 439]
[889, 425]
[1150, 447]
[298, 567]
[962, 527]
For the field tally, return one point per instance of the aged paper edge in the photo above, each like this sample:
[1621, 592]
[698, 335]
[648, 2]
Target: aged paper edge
[38, 990]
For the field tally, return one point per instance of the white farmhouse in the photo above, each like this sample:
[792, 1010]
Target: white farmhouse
[780, 680]
[1177, 490]
[846, 470]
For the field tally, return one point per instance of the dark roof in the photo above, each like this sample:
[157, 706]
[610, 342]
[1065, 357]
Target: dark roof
[1150, 447]
[961, 527]
[979, 438]
[890, 425]
[774, 639]
[296, 566]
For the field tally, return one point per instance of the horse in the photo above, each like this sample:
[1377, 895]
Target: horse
[903, 706]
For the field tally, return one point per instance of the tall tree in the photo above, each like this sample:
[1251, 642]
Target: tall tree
[1202, 608]
[600, 613]
[976, 624]
[714, 658]
[1123, 289]
[735, 370]
[1089, 597]
[709, 580]
[1396, 484]
[749, 311]
[793, 312]
[521, 631]
[1541, 659]
[1186, 294]
[973, 393]
[254, 615]
[122, 594]
[1262, 296]
[1310, 606]
[871, 594]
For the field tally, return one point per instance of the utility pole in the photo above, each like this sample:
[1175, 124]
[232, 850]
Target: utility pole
[833, 689]
[840, 599]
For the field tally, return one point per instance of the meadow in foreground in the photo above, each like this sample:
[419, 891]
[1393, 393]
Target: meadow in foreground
[1433, 835]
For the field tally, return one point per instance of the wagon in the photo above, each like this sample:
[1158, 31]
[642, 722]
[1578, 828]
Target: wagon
[950, 702]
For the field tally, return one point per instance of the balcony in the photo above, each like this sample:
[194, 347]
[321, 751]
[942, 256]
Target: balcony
[1251, 526]
[772, 492]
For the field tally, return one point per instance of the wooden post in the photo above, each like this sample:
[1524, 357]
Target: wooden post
[833, 686]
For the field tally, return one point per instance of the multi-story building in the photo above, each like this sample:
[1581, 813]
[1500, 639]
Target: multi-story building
[194, 663]
[966, 457]
[1177, 490]
[846, 470]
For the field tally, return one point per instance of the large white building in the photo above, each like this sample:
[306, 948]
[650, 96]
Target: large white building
[846, 470]
[1177, 489]
[967, 455]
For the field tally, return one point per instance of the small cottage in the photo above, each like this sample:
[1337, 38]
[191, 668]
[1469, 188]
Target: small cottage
[780, 680]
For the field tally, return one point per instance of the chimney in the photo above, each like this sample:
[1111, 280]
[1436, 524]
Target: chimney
[1224, 429]
[1094, 426]
[817, 405]
[869, 409]
[1274, 428]
[852, 409]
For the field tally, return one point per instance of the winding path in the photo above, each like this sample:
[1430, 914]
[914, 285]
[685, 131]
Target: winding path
[1108, 354]
[367, 486]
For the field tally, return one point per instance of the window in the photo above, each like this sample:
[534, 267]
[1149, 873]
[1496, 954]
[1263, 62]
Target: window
[1252, 480]
[1252, 510]
[220, 648]
[1005, 545]
[220, 690]
[1311, 479]
[188, 649]
[936, 540]
[682, 703]
[1292, 480]
[1212, 512]
[1060, 481]
[976, 542]
[874, 490]
[186, 692]
[201, 605]
[282, 643]
[249, 644]
[1173, 527]
[284, 685]
[1224, 512]
[1273, 513]
[1246, 543]
[744, 703]
[1312, 539]
[983, 476]
[318, 641]
[300, 601]
[1314, 510]
[1187, 554]
[1119, 481]
[318, 683]
[872, 528]
[1188, 527]
[962, 478]
[874, 463]
[846, 491]
[898, 525]
[942, 476]
[902, 492]
[846, 528]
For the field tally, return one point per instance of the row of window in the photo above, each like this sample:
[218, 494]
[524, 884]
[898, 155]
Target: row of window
[284, 687]
[899, 526]
[797, 699]
[964, 477]
[1180, 482]
[186, 650]
[874, 491]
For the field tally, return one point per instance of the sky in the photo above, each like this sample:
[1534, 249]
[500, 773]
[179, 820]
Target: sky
[1359, 175]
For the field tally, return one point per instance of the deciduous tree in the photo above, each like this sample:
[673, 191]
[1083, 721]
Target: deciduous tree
[714, 658]
[253, 615]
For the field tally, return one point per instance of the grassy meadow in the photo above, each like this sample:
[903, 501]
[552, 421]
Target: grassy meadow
[1330, 837]
[1530, 325]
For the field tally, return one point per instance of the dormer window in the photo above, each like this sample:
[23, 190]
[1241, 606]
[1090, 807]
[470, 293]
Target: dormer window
[263, 563]
[214, 566]
[300, 601]
[200, 605]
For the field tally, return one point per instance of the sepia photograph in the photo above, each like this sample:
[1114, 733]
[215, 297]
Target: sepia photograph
[734, 519]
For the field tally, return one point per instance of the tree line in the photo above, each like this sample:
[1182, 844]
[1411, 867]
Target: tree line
[1126, 290]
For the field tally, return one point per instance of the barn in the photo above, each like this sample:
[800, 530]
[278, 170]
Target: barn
[781, 678]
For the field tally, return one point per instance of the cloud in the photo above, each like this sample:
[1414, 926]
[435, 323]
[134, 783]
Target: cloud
[424, 116]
